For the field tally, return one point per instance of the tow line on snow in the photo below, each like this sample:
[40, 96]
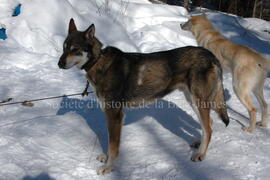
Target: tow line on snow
[29, 103]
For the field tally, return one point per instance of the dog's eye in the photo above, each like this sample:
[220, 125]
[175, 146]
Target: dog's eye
[75, 49]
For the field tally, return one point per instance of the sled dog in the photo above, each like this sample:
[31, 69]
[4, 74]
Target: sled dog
[248, 68]
[125, 80]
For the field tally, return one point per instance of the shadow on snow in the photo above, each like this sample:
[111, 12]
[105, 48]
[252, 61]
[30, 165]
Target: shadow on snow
[42, 176]
[168, 114]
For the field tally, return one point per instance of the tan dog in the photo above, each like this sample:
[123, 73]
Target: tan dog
[248, 68]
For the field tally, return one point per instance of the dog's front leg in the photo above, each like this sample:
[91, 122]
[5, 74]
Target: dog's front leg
[114, 117]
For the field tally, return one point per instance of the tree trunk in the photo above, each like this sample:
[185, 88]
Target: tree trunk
[254, 9]
[186, 4]
[261, 10]
[236, 7]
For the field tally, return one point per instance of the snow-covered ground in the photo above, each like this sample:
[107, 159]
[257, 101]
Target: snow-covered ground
[60, 139]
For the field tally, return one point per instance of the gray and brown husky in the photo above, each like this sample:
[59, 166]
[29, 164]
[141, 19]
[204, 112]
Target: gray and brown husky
[125, 80]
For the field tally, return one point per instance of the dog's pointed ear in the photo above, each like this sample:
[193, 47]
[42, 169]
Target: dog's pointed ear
[72, 27]
[90, 32]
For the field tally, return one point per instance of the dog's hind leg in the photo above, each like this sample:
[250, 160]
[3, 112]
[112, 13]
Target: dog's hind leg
[258, 92]
[114, 117]
[204, 117]
[193, 104]
[203, 114]
[243, 94]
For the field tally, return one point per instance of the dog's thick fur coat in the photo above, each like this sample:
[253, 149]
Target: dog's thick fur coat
[124, 80]
[248, 68]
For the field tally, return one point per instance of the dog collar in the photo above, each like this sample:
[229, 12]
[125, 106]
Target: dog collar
[90, 63]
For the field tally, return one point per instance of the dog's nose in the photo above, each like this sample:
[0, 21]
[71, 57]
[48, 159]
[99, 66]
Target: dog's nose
[181, 25]
[61, 64]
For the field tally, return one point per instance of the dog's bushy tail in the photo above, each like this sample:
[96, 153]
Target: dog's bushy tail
[220, 105]
[217, 96]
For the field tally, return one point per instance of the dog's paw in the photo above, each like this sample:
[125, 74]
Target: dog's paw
[195, 144]
[198, 157]
[104, 170]
[248, 129]
[262, 124]
[102, 158]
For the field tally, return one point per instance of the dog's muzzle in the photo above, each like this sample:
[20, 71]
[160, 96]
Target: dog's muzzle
[181, 25]
[61, 64]
[186, 26]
